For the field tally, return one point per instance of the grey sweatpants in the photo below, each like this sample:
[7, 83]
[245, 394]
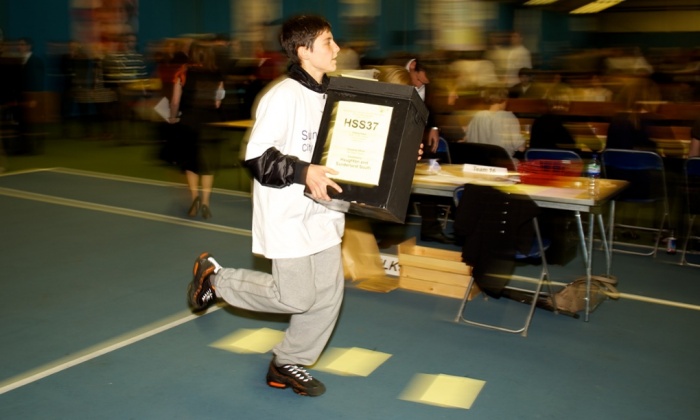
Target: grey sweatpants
[309, 288]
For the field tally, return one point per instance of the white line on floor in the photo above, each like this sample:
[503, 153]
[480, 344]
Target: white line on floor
[122, 211]
[135, 180]
[124, 178]
[622, 295]
[99, 350]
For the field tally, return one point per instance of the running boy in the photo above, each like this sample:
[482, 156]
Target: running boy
[300, 236]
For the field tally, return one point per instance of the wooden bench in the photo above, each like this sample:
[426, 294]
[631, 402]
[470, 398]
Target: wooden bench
[593, 109]
[682, 111]
[526, 106]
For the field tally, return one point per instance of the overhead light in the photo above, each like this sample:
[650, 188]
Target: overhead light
[539, 2]
[596, 6]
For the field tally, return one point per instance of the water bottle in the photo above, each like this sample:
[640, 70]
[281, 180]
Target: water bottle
[671, 244]
[593, 173]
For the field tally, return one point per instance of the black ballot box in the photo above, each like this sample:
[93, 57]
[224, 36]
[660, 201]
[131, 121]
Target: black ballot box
[371, 133]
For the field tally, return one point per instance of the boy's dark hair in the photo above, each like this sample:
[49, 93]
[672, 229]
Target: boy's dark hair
[301, 31]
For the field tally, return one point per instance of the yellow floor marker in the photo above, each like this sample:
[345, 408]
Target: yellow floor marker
[351, 362]
[443, 390]
[250, 341]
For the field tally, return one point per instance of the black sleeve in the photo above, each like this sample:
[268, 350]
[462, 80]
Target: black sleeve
[273, 169]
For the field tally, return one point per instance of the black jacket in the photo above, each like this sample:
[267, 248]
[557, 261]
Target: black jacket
[493, 225]
[273, 169]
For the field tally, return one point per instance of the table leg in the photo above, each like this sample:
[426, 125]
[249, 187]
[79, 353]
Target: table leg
[581, 236]
[589, 264]
[611, 239]
[587, 247]
[587, 250]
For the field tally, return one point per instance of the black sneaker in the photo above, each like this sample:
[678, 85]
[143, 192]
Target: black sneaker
[295, 376]
[200, 293]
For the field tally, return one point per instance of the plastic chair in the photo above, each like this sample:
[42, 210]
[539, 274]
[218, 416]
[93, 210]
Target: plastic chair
[490, 155]
[647, 187]
[444, 149]
[551, 154]
[530, 296]
[692, 193]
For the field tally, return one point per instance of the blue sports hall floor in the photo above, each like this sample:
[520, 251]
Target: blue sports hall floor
[94, 325]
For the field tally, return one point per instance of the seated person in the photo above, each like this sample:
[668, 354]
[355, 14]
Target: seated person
[628, 129]
[593, 91]
[548, 130]
[495, 125]
[526, 88]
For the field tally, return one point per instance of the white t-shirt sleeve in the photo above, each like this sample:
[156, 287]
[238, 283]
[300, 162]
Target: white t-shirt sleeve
[271, 128]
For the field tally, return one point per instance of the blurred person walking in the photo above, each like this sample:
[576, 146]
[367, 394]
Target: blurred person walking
[169, 59]
[518, 57]
[198, 90]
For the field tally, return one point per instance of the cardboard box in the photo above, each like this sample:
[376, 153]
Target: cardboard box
[433, 270]
[371, 133]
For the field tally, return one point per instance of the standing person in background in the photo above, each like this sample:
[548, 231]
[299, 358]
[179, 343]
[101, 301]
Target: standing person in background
[169, 59]
[197, 94]
[431, 228]
[419, 79]
[518, 57]
[32, 71]
[299, 235]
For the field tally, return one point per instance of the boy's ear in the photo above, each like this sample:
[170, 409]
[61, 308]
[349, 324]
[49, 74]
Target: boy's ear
[303, 53]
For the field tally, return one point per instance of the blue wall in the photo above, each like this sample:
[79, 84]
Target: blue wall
[43, 21]
[48, 21]
[160, 19]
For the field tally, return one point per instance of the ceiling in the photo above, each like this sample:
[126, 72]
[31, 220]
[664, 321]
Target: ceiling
[626, 6]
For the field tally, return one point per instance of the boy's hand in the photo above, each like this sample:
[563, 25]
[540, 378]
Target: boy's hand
[318, 182]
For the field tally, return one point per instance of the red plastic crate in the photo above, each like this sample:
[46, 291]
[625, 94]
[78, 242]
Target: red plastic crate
[549, 172]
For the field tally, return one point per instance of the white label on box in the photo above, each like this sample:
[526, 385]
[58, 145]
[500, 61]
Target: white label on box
[357, 142]
[391, 264]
